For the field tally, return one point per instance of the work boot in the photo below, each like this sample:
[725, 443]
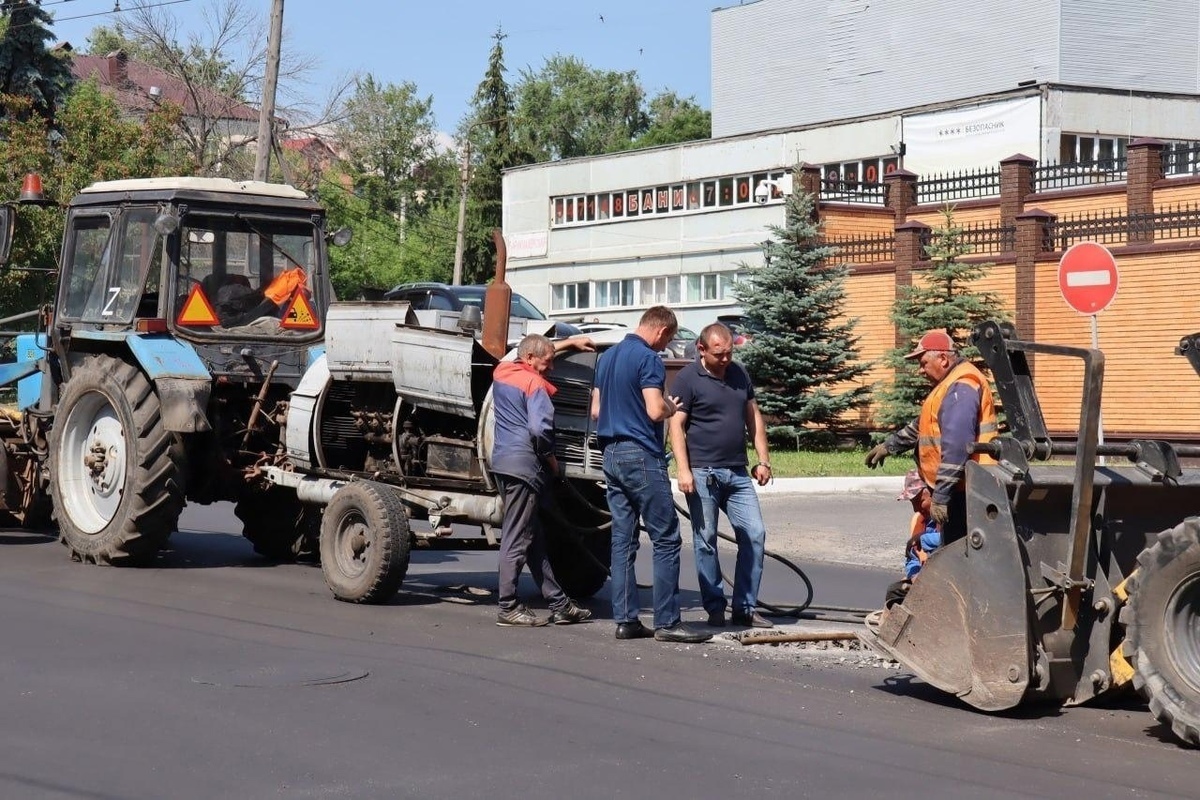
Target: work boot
[680, 632]
[570, 614]
[750, 619]
[519, 617]
[716, 619]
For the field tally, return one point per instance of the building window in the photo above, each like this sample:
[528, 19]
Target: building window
[1106, 152]
[614, 293]
[710, 286]
[566, 296]
[659, 291]
[726, 192]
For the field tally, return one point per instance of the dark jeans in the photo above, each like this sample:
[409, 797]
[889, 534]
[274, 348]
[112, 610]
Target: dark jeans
[522, 540]
[639, 487]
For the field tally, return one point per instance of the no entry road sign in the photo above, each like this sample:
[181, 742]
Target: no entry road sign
[1087, 277]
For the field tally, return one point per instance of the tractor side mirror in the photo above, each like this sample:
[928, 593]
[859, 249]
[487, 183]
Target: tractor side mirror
[8, 222]
[341, 237]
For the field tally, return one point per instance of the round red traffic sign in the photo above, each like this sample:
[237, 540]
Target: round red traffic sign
[1087, 277]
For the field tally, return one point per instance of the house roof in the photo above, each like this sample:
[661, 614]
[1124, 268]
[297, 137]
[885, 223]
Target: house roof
[132, 82]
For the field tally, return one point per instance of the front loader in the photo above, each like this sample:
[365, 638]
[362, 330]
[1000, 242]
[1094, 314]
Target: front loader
[1076, 578]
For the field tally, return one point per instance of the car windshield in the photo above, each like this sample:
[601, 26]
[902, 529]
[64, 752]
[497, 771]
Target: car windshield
[473, 296]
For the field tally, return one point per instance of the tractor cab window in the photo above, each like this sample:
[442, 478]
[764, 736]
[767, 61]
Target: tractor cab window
[252, 275]
[113, 272]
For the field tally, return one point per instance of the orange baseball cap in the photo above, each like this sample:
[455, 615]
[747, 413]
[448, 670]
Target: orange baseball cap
[936, 339]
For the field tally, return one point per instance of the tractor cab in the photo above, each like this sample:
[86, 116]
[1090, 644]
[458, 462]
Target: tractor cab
[203, 258]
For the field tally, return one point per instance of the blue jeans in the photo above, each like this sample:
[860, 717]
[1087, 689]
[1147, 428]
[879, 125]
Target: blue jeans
[731, 491]
[930, 540]
[639, 487]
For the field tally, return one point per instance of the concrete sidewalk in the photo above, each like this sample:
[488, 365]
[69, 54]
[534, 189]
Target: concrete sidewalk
[886, 484]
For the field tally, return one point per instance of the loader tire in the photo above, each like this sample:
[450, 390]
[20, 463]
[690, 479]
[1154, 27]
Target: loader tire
[365, 541]
[116, 472]
[280, 527]
[1163, 628]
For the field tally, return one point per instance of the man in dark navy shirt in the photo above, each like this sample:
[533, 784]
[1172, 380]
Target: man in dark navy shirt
[629, 406]
[708, 437]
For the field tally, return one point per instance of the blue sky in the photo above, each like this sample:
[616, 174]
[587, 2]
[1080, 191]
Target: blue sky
[442, 46]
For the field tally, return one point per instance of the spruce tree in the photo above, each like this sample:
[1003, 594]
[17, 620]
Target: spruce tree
[494, 148]
[27, 66]
[940, 297]
[803, 357]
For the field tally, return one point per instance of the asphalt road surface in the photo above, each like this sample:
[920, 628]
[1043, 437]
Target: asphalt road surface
[216, 675]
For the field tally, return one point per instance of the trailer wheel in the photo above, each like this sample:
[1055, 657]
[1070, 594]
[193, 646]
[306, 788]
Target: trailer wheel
[365, 543]
[1163, 628]
[115, 470]
[279, 526]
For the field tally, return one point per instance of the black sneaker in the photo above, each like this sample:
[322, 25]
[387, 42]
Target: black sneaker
[520, 617]
[680, 632]
[750, 619]
[570, 614]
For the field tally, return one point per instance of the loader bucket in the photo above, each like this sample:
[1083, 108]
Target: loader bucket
[964, 626]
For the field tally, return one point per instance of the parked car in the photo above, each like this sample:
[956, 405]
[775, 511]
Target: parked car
[741, 327]
[683, 345]
[596, 327]
[444, 297]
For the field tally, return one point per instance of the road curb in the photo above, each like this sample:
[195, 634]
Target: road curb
[891, 484]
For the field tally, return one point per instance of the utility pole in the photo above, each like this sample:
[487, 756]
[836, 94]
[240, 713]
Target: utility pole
[266, 113]
[459, 239]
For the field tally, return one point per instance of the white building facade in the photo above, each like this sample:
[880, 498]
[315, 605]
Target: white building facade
[859, 89]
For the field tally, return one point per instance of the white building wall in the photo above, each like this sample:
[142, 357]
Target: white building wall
[1149, 46]
[787, 63]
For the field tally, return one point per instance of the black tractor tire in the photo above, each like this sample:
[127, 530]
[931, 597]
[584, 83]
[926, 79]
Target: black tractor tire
[580, 560]
[115, 471]
[1162, 620]
[280, 527]
[365, 543]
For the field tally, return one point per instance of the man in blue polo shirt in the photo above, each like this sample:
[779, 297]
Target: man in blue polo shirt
[629, 406]
[708, 436]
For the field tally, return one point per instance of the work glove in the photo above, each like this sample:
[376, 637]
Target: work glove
[876, 455]
[940, 513]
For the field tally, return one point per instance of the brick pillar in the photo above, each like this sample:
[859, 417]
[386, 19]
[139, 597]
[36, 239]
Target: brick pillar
[900, 193]
[1016, 181]
[1144, 168]
[1032, 238]
[910, 252]
[810, 183]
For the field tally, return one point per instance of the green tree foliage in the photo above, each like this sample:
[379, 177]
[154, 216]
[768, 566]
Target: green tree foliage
[379, 257]
[95, 144]
[674, 119]
[388, 133]
[490, 131]
[28, 68]
[804, 355]
[941, 297]
[568, 109]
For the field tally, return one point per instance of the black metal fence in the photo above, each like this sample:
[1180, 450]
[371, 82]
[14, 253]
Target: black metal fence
[862, 250]
[1084, 173]
[985, 239]
[952, 186]
[852, 192]
[1181, 158]
[1105, 227]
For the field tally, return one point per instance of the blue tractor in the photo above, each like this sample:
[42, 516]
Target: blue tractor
[186, 312]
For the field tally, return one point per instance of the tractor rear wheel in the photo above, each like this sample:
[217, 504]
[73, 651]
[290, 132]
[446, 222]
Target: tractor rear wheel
[1163, 628]
[279, 526]
[365, 541]
[115, 470]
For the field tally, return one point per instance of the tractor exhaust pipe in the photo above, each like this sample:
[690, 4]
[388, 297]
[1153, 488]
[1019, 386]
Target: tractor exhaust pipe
[497, 303]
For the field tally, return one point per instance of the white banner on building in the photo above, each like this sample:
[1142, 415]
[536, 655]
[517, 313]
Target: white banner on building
[527, 245]
[972, 138]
